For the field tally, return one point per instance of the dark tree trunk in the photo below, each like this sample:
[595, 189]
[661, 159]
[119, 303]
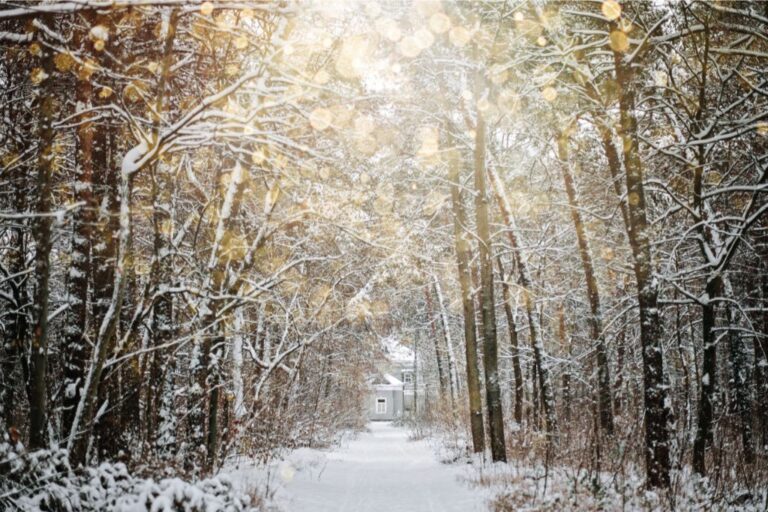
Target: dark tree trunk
[739, 381]
[657, 435]
[41, 234]
[470, 340]
[517, 372]
[524, 278]
[604, 405]
[162, 313]
[15, 332]
[77, 352]
[490, 349]
[761, 362]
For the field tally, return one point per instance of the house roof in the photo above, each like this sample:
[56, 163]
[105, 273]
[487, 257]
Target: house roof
[393, 381]
[386, 380]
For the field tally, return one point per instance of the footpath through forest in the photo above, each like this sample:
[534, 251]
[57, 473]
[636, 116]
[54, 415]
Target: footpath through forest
[382, 470]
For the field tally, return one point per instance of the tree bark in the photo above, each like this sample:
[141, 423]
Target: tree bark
[452, 370]
[541, 366]
[595, 320]
[162, 312]
[80, 271]
[513, 343]
[490, 349]
[468, 304]
[761, 361]
[41, 234]
[441, 375]
[657, 436]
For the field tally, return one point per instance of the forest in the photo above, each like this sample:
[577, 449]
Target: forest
[212, 213]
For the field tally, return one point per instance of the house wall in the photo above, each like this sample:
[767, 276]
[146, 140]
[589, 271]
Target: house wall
[394, 399]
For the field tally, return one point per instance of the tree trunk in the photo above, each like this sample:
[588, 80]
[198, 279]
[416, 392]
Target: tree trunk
[162, 192]
[595, 320]
[657, 436]
[524, 278]
[468, 304]
[441, 376]
[15, 332]
[761, 362]
[77, 352]
[490, 349]
[566, 347]
[41, 234]
[514, 345]
[737, 356]
[452, 370]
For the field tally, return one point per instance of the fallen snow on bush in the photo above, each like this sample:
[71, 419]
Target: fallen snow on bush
[527, 488]
[44, 480]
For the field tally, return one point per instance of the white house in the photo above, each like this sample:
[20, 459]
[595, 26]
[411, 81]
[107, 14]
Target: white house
[395, 389]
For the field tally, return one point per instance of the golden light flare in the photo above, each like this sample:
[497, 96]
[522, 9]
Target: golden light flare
[321, 77]
[429, 137]
[105, 92]
[549, 94]
[206, 8]
[363, 125]
[518, 16]
[427, 8]
[354, 55]
[366, 145]
[762, 128]
[439, 23]
[611, 9]
[508, 101]
[618, 41]
[483, 105]
[372, 9]
[342, 115]
[258, 157]
[409, 47]
[241, 42]
[388, 28]
[459, 36]
[424, 38]
[87, 69]
[63, 61]
[35, 49]
[37, 76]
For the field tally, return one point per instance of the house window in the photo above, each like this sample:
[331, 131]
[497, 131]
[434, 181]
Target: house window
[381, 406]
[408, 378]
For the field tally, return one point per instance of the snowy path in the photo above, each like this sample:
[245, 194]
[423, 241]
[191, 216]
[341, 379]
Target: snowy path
[382, 471]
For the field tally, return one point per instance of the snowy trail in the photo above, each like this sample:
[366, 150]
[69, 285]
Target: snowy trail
[383, 471]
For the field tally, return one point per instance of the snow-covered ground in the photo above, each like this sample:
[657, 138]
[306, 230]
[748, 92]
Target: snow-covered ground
[380, 470]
